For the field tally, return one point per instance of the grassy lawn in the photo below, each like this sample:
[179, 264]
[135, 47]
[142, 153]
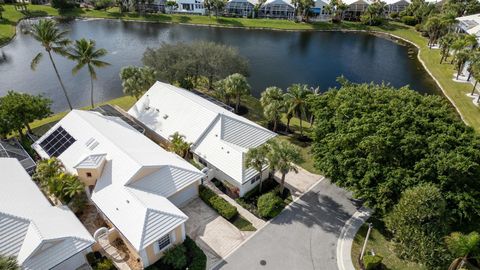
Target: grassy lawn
[381, 246]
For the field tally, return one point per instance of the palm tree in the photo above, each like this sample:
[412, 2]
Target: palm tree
[85, 54]
[46, 169]
[296, 100]
[52, 40]
[8, 263]
[445, 45]
[273, 104]
[282, 157]
[236, 85]
[256, 158]
[460, 59]
[178, 144]
[463, 247]
[434, 26]
[72, 187]
[474, 60]
[475, 72]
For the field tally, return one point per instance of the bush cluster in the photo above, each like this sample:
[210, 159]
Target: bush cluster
[224, 208]
[176, 257]
[185, 256]
[198, 259]
[409, 20]
[269, 204]
[372, 262]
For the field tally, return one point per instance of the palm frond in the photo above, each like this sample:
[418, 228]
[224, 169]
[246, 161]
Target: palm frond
[35, 61]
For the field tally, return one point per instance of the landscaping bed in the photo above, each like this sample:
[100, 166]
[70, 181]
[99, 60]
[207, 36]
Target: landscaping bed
[269, 202]
[188, 253]
[99, 262]
[224, 209]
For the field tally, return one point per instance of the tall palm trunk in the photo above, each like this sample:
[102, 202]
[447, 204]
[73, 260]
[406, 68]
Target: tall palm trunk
[282, 184]
[91, 91]
[237, 104]
[288, 123]
[261, 182]
[474, 87]
[301, 126]
[275, 123]
[60, 80]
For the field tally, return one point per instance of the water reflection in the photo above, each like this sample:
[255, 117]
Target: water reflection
[276, 58]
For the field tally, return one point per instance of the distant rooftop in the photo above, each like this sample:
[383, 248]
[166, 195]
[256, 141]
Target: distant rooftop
[13, 149]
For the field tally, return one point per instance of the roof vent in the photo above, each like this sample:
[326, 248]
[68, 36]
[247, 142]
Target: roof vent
[165, 116]
[94, 145]
[128, 201]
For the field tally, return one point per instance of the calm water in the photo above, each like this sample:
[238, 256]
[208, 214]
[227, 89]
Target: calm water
[276, 58]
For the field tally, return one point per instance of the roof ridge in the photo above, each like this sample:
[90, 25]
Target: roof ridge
[181, 90]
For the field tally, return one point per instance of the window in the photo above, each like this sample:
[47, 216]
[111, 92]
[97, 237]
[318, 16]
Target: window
[255, 178]
[163, 242]
[89, 174]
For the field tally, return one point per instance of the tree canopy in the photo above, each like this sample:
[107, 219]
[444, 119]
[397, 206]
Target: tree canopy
[185, 64]
[137, 80]
[378, 141]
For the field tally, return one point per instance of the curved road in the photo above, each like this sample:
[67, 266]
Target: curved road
[304, 236]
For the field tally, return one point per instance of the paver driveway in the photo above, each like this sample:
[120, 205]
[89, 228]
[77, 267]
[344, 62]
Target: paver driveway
[213, 234]
[304, 236]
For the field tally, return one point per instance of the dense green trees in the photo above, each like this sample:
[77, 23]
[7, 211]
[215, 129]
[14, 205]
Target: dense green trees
[86, 54]
[418, 223]
[379, 141]
[18, 110]
[137, 80]
[235, 86]
[374, 13]
[296, 103]
[464, 247]
[282, 157]
[8, 263]
[186, 64]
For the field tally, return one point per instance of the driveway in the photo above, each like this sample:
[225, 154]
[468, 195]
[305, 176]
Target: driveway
[213, 234]
[299, 182]
[304, 236]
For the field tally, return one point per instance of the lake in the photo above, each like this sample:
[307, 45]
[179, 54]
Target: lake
[276, 58]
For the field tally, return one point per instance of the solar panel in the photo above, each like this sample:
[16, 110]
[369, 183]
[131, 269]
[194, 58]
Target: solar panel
[57, 142]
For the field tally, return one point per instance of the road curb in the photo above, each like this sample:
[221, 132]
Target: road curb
[347, 234]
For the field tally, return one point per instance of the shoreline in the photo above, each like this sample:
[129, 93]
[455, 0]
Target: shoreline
[378, 33]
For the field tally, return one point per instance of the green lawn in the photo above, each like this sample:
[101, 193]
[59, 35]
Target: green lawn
[381, 246]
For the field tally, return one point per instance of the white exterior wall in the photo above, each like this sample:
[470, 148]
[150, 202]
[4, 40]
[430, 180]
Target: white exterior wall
[73, 262]
[190, 6]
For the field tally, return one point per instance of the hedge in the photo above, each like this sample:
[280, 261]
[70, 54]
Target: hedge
[218, 203]
[196, 255]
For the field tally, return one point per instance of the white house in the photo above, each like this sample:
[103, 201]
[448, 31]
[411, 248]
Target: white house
[39, 235]
[355, 9]
[396, 6]
[319, 11]
[278, 9]
[189, 7]
[470, 25]
[134, 183]
[220, 138]
[240, 8]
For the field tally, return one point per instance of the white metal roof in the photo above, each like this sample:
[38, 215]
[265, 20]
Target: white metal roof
[38, 234]
[133, 162]
[217, 135]
[470, 24]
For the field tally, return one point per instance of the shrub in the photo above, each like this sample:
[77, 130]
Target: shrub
[197, 257]
[372, 262]
[269, 205]
[63, 4]
[409, 20]
[104, 264]
[394, 15]
[103, 4]
[224, 208]
[176, 257]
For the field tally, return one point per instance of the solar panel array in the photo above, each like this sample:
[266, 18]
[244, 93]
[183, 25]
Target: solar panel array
[57, 142]
[108, 110]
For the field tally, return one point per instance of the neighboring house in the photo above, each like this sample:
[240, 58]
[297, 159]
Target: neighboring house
[12, 148]
[470, 25]
[39, 235]
[240, 8]
[396, 6]
[137, 185]
[220, 138]
[319, 11]
[189, 7]
[278, 9]
[355, 9]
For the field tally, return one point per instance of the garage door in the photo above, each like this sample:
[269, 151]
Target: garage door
[185, 195]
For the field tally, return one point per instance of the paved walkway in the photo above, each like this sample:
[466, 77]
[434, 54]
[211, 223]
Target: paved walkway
[345, 241]
[299, 183]
[256, 222]
[112, 253]
[213, 234]
[304, 236]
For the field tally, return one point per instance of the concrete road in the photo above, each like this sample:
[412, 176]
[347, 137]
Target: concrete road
[304, 236]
